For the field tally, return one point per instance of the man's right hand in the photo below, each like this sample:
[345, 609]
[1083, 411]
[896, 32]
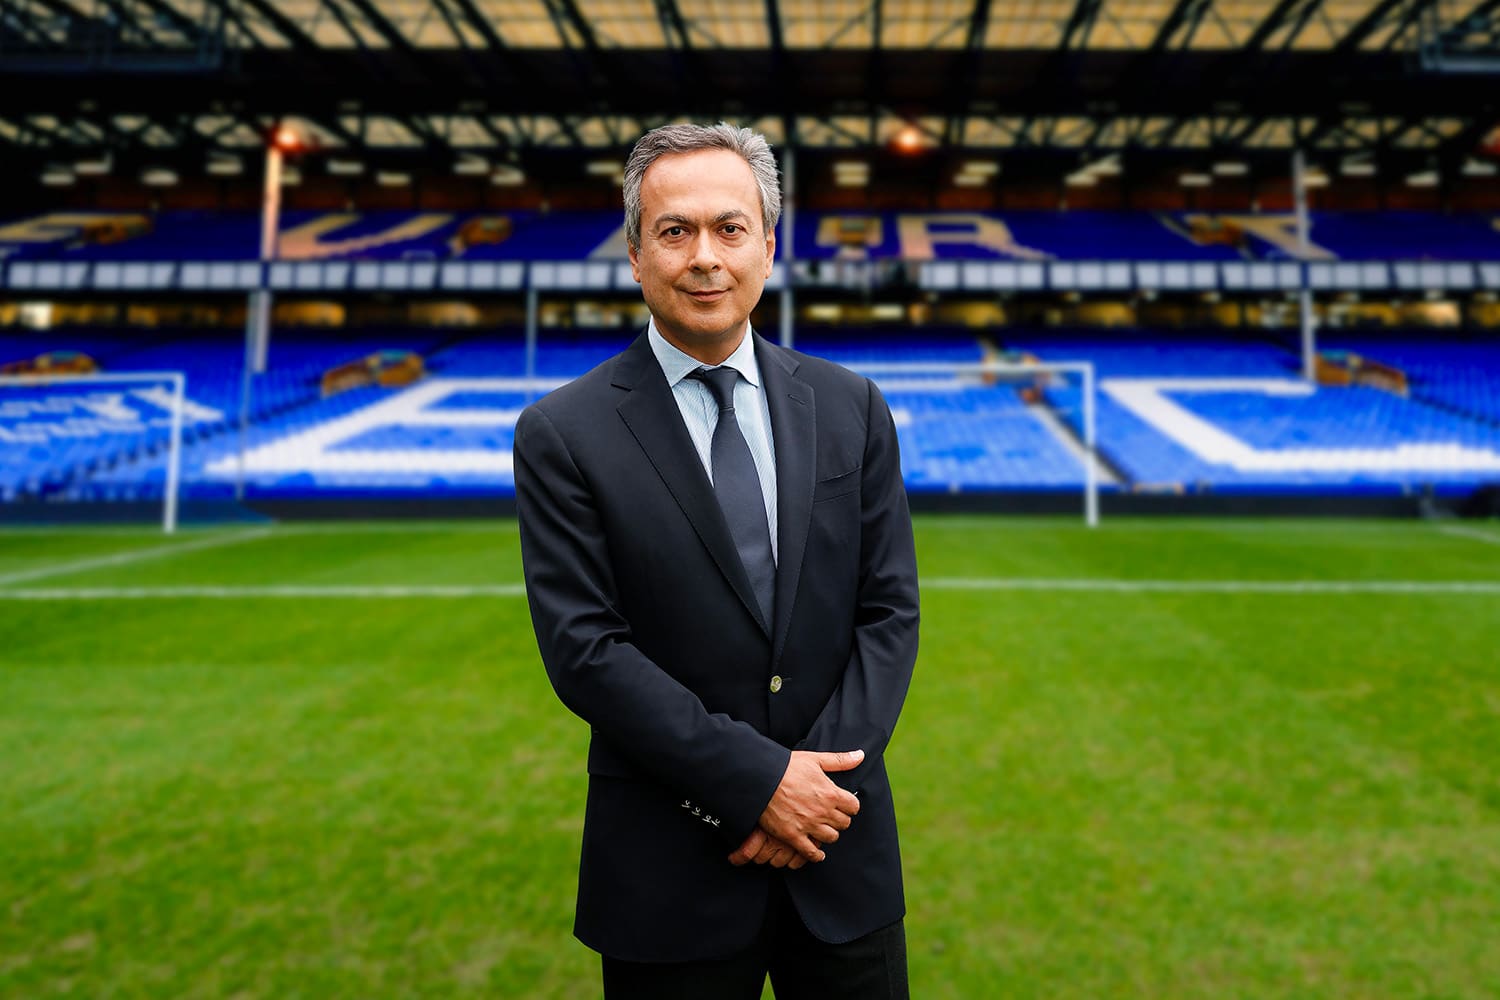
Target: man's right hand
[807, 808]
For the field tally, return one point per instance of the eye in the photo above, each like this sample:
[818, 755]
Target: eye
[673, 232]
[732, 230]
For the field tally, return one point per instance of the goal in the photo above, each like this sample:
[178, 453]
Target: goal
[59, 432]
[995, 426]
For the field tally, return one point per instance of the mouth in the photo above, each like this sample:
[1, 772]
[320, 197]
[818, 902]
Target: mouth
[709, 294]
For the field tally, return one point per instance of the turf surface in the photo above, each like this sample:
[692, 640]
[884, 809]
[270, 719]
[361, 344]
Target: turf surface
[1108, 787]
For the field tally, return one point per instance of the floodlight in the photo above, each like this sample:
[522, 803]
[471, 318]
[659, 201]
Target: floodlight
[286, 139]
[908, 140]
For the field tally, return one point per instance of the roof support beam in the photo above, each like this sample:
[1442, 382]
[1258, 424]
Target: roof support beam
[965, 80]
[1187, 13]
[1370, 23]
[1285, 12]
[285, 27]
[1080, 23]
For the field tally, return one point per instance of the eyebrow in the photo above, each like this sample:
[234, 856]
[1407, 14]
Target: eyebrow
[719, 219]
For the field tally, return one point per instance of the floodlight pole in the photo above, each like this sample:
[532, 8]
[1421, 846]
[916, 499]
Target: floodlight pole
[1091, 450]
[258, 315]
[788, 227]
[533, 307]
[1304, 293]
[174, 455]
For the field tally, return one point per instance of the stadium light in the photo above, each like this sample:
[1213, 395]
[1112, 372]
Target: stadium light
[1357, 168]
[970, 180]
[345, 168]
[1231, 168]
[1422, 179]
[93, 168]
[1195, 180]
[908, 140]
[286, 139]
[1478, 168]
[391, 178]
[507, 176]
[1081, 178]
[1315, 178]
[158, 177]
[605, 168]
[851, 173]
[471, 166]
[1109, 166]
[58, 177]
[980, 168]
[225, 166]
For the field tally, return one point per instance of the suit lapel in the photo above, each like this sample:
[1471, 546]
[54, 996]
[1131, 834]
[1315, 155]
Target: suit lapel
[793, 426]
[650, 411]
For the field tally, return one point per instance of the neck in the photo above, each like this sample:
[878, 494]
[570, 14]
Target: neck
[709, 352]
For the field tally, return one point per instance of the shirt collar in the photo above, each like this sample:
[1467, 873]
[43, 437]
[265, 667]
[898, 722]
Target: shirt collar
[675, 364]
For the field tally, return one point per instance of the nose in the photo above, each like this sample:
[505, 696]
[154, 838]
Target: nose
[705, 252]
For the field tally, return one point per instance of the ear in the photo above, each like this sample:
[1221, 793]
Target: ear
[635, 262]
[770, 251]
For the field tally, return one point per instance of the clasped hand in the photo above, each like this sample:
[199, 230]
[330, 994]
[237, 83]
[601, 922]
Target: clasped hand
[806, 811]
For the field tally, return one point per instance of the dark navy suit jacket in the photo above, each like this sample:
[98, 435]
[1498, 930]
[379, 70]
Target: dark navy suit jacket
[650, 632]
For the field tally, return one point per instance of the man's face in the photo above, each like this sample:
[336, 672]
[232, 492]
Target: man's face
[704, 255]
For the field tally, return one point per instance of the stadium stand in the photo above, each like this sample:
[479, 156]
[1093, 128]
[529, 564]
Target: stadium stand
[1185, 411]
[562, 235]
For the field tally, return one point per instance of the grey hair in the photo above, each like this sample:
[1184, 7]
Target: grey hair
[751, 147]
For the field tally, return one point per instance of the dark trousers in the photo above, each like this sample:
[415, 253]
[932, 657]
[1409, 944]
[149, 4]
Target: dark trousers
[801, 967]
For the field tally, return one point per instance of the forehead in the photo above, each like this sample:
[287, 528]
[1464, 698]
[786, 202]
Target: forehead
[706, 181]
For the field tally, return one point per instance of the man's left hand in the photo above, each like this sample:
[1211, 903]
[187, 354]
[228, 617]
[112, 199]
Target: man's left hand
[763, 849]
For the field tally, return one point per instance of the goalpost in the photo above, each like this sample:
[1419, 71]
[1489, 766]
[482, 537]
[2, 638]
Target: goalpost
[895, 378]
[173, 403]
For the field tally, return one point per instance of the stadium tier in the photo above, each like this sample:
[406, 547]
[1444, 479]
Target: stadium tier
[575, 236]
[405, 413]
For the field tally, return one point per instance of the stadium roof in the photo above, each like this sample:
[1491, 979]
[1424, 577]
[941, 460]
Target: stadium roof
[180, 82]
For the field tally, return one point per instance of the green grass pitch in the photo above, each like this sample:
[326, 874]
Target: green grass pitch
[1208, 759]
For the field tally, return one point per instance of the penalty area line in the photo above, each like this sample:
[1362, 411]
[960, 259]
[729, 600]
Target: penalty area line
[131, 556]
[1475, 534]
[977, 584]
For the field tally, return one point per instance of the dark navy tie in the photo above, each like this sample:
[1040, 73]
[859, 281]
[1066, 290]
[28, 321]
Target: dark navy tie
[737, 486]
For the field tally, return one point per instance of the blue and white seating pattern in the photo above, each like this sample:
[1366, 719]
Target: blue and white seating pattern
[1195, 411]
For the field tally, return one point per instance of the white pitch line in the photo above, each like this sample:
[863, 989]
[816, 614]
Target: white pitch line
[1481, 587]
[133, 556]
[1475, 533]
[251, 592]
[1220, 586]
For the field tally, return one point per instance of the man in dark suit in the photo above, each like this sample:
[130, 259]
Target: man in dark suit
[719, 561]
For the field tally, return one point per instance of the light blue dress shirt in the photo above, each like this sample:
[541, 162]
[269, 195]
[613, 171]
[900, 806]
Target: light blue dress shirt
[700, 411]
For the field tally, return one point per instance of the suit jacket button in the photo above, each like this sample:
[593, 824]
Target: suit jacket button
[776, 684]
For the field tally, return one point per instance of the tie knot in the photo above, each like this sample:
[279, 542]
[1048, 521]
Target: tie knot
[720, 382]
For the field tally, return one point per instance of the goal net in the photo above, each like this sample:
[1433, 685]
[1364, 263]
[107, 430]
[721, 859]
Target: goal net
[92, 438]
[995, 427]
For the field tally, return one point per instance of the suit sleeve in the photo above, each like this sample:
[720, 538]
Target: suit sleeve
[721, 763]
[864, 707]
